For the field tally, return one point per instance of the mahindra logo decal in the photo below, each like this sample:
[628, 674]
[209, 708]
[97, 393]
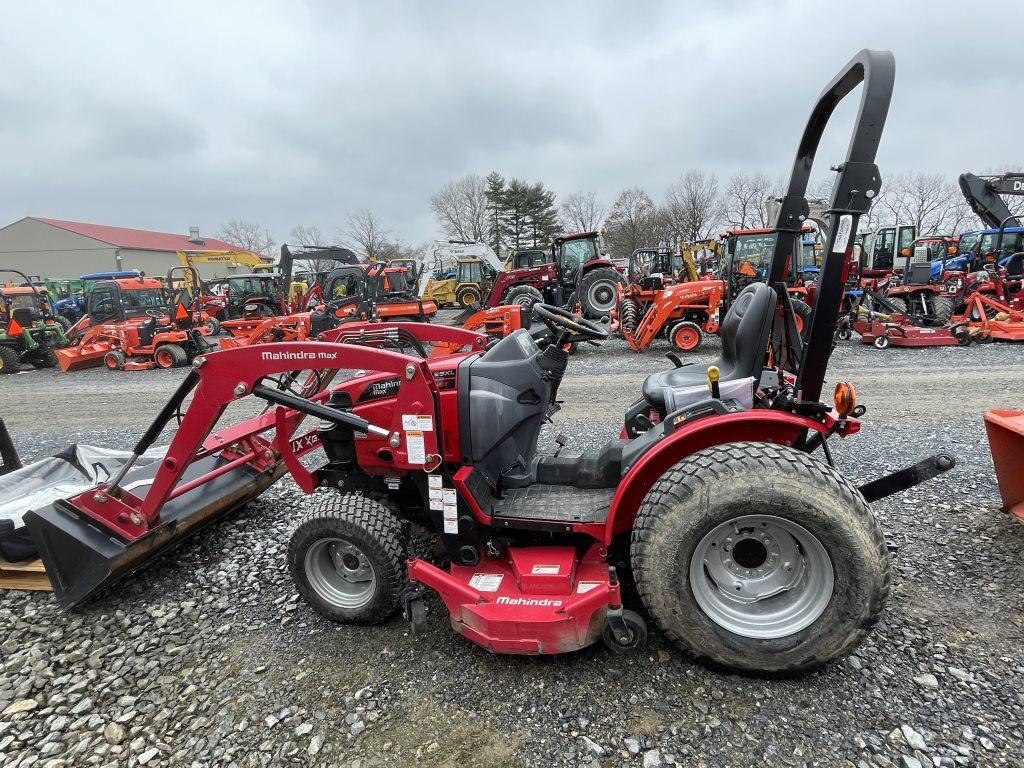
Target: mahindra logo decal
[542, 602]
[298, 355]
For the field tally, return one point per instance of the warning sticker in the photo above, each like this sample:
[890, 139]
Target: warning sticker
[486, 582]
[414, 446]
[450, 514]
[843, 231]
[434, 481]
[435, 493]
[449, 495]
[436, 504]
[418, 423]
[586, 586]
[544, 570]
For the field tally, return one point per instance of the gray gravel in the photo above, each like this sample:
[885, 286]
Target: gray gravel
[208, 657]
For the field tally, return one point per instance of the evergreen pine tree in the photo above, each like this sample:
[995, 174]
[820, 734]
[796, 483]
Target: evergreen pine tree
[495, 194]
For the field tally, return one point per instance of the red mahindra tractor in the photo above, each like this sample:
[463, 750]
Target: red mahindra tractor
[748, 547]
[574, 267]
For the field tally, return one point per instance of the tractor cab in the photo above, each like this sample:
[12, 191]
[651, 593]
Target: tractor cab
[263, 290]
[138, 300]
[879, 248]
[530, 257]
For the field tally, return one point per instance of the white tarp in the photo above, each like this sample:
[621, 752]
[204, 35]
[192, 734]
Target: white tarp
[72, 471]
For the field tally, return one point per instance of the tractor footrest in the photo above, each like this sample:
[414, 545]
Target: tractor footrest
[555, 504]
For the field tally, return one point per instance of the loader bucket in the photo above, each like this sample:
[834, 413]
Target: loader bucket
[80, 358]
[1006, 441]
[81, 559]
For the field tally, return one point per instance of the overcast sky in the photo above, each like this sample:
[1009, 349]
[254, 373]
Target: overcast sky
[163, 115]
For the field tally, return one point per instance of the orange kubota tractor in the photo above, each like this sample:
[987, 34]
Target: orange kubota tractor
[130, 326]
[663, 294]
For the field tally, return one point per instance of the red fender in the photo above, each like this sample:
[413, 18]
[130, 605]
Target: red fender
[761, 425]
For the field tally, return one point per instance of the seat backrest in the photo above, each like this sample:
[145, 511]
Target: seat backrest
[745, 329]
[919, 274]
[26, 316]
[1015, 265]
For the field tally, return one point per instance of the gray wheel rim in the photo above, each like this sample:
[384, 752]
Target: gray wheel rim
[523, 300]
[340, 573]
[601, 295]
[761, 576]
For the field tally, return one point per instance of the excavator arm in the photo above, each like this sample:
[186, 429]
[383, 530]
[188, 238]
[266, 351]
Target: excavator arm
[984, 195]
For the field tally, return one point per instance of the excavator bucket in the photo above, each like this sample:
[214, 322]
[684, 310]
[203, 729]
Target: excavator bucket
[1006, 441]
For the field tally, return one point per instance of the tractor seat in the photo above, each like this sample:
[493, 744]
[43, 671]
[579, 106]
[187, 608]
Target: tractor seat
[744, 337]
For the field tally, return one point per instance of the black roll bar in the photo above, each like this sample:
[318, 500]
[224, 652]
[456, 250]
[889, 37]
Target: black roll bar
[856, 186]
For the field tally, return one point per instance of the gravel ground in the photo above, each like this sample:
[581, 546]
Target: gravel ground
[208, 657]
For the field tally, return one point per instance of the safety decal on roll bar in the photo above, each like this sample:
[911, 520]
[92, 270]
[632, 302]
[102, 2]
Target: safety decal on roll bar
[843, 230]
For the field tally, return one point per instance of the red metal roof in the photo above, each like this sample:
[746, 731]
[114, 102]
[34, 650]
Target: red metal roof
[122, 237]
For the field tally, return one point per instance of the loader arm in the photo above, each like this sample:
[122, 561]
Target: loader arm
[984, 195]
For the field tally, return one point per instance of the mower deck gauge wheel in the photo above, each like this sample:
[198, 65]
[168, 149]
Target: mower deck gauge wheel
[881, 342]
[634, 637]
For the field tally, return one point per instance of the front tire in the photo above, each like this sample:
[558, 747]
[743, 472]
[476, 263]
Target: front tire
[735, 604]
[213, 324]
[598, 291]
[347, 559]
[467, 297]
[9, 361]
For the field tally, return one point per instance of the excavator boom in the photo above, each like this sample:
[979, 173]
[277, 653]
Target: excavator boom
[984, 195]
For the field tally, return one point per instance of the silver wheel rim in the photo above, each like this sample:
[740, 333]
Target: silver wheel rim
[340, 573]
[601, 295]
[761, 576]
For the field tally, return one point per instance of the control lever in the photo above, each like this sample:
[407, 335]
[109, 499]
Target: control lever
[713, 375]
[561, 441]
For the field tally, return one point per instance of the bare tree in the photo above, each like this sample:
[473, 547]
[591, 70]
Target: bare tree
[929, 201]
[248, 236]
[693, 206]
[631, 223]
[581, 212]
[311, 237]
[461, 208]
[745, 203]
[367, 235]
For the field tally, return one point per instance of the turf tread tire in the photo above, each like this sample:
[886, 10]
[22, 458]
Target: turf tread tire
[380, 536]
[663, 542]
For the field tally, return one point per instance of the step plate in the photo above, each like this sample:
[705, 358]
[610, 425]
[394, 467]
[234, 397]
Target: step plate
[555, 503]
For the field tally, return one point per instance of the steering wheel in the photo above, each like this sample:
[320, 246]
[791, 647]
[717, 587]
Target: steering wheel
[156, 314]
[562, 321]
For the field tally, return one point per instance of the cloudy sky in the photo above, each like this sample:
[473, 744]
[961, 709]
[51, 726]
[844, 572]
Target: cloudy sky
[165, 114]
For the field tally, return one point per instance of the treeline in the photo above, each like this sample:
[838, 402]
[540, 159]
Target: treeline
[515, 213]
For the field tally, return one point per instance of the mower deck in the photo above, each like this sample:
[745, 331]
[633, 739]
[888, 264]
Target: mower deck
[530, 600]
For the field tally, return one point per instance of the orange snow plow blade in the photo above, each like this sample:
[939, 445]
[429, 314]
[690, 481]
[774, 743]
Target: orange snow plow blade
[1006, 440]
[80, 357]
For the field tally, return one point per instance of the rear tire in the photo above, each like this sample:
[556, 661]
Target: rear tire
[802, 314]
[347, 559]
[598, 290]
[900, 304]
[629, 316]
[9, 361]
[523, 295]
[170, 356]
[942, 309]
[809, 517]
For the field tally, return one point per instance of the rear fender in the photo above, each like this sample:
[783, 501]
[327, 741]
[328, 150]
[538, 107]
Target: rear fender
[760, 425]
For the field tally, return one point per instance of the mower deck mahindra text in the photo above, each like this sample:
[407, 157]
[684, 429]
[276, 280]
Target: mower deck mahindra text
[748, 547]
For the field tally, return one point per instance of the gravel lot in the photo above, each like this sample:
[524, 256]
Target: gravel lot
[209, 658]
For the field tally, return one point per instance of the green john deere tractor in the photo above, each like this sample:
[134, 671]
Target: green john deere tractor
[29, 331]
